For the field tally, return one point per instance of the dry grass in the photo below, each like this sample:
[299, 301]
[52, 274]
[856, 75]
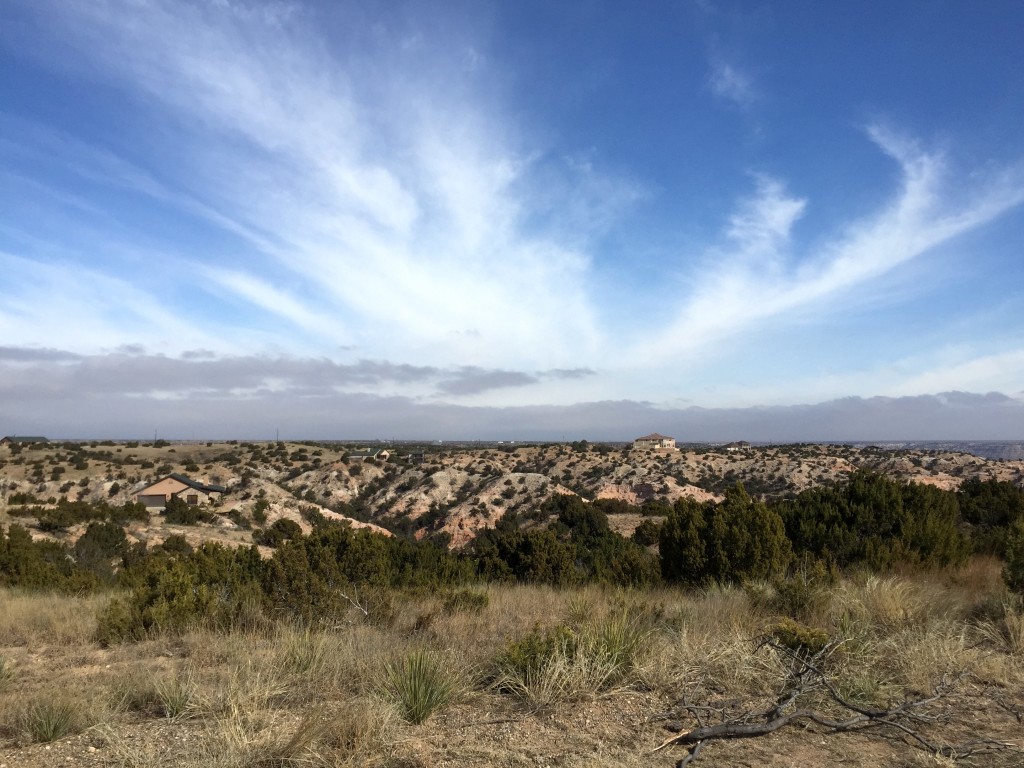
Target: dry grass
[293, 695]
[32, 619]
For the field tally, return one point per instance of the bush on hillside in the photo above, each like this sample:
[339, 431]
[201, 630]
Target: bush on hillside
[734, 541]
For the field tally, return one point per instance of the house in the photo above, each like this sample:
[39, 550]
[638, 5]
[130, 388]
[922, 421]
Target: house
[22, 440]
[655, 441]
[740, 445]
[365, 454]
[156, 495]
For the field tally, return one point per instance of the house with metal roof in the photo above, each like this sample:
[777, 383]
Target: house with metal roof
[156, 495]
[22, 440]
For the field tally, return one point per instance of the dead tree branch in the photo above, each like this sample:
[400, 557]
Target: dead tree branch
[901, 721]
[355, 602]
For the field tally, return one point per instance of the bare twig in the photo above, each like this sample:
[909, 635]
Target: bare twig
[355, 603]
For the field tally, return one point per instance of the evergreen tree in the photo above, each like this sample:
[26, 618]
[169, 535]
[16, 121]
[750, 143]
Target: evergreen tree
[1013, 573]
[681, 543]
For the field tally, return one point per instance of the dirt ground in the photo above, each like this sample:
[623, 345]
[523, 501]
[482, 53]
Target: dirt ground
[488, 729]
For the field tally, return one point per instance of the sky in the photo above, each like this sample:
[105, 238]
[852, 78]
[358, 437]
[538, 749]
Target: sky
[526, 220]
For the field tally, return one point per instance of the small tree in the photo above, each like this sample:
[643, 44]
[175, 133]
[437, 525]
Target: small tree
[179, 512]
[1013, 573]
[681, 544]
[99, 546]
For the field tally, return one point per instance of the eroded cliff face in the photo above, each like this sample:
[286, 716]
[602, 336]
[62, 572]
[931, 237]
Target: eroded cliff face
[447, 493]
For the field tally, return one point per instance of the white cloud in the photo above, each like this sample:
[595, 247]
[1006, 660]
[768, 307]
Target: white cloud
[391, 197]
[88, 311]
[277, 302]
[757, 279]
[731, 84]
[999, 371]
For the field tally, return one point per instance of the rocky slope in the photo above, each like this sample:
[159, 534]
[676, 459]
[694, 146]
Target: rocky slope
[448, 492]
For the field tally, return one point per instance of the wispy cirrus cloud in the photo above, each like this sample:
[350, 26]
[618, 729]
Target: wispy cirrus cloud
[761, 274]
[87, 309]
[394, 200]
[731, 84]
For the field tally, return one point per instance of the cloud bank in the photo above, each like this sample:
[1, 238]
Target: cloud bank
[128, 395]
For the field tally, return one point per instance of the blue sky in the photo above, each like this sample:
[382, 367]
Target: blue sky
[526, 208]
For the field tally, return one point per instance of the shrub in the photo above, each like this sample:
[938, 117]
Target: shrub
[465, 601]
[647, 533]
[259, 510]
[49, 719]
[178, 512]
[560, 664]
[419, 685]
[1013, 573]
[120, 622]
[734, 541]
[282, 530]
[99, 546]
[799, 638]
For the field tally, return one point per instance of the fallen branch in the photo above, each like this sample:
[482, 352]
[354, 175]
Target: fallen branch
[807, 675]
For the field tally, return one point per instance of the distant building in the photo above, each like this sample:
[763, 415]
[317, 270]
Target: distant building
[22, 440]
[740, 445]
[655, 441]
[156, 495]
[366, 454]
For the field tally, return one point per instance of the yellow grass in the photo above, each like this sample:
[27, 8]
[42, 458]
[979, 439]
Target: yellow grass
[32, 619]
[298, 695]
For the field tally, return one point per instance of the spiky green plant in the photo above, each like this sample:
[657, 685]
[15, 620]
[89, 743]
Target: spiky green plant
[419, 685]
[177, 696]
[50, 719]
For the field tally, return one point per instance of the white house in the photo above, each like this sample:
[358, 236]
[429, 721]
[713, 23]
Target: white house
[656, 441]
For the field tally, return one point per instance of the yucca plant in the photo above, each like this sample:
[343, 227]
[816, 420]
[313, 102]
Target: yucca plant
[419, 685]
[50, 720]
[304, 652]
[176, 696]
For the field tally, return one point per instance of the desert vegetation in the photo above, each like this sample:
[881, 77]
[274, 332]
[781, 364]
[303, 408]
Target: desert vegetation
[871, 617]
[519, 675]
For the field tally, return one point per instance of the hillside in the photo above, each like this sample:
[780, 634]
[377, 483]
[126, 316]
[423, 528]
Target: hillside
[445, 492]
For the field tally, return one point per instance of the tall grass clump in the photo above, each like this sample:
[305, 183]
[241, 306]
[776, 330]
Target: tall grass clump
[1006, 631]
[303, 651]
[465, 601]
[563, 664]
[885, 605]
[418, 685]
[49, 719]
[47, 618]
[177, 696]
[361, 732]
[6, 674]
[273, 749]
